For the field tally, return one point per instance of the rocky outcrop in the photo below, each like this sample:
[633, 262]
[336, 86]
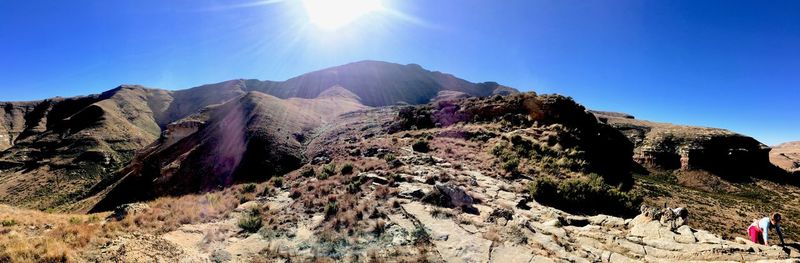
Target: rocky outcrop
[555, 122]
[504, 231]
[674, 147]
[179, 130]
[786, 156]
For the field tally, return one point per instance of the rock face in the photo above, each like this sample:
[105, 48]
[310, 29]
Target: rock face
[672, 147]
[786, 156]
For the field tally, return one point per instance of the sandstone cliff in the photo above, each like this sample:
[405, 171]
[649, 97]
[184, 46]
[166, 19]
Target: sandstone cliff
[677, 147]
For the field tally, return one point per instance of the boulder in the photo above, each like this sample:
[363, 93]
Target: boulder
[448, 195]
[374, 178]
[122, 211]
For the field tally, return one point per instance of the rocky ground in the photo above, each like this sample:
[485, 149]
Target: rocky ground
[503, 227]
[786, 156]
[521, 178]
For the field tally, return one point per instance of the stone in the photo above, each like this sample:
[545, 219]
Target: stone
[394, 163]
[415, 193]
[321, 159]
[686, 235]
[219, 256]
[375, 178]
[122, 211]
[448, 195]
[458, 197]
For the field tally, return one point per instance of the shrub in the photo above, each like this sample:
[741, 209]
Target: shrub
[93, 219]
[269, 191]
[75, 220]
[347, 169]
[353, 187]
[249, 188]
[499, 148]
[327, 171]
[420, 235]
[330, 209]
[307, 172]
[589, 195]
[244, 199]
[251, 221]
[421, 146]
[8, 222]
[389, 157]
[277, 181]
[379, 228]
[510, 162]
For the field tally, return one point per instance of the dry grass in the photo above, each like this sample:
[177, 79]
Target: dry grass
[168, 213]
[34, 236]
[42, 237]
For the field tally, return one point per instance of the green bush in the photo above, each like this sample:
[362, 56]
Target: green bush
[251, 221]
[331, 208]
[499, 148]
[327, 171]
[421, 146]
[589, 195]
[420, 235]
[277, 181]
[307, 172]
[510, 161]
[8, 222]
[249, 188]
[347, 169]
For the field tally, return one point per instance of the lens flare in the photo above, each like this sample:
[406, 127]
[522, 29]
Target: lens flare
[334, 14]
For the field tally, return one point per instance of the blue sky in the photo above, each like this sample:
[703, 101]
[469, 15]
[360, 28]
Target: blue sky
[728, 64]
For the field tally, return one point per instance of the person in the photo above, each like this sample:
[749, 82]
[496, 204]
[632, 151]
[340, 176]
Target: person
[760, 228]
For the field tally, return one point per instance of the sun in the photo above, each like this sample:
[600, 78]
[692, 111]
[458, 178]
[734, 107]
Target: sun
[334, 14]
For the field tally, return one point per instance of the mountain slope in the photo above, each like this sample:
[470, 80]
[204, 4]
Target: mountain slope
[61, 147]
[250, 138]
[378, 84]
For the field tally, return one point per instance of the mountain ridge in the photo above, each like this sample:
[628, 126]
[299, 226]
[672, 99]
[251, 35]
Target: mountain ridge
[94, 135]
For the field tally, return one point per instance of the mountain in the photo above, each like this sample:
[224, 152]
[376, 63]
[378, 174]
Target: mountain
[61, 150]
[250, 138]
[786, 156]
[518, 178]
[379, 162]
[378, 84]
[58, 148]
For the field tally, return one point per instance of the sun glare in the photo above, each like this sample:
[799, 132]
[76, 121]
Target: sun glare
[334, 14]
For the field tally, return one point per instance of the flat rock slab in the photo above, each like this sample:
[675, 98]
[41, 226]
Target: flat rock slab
[452, 242]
